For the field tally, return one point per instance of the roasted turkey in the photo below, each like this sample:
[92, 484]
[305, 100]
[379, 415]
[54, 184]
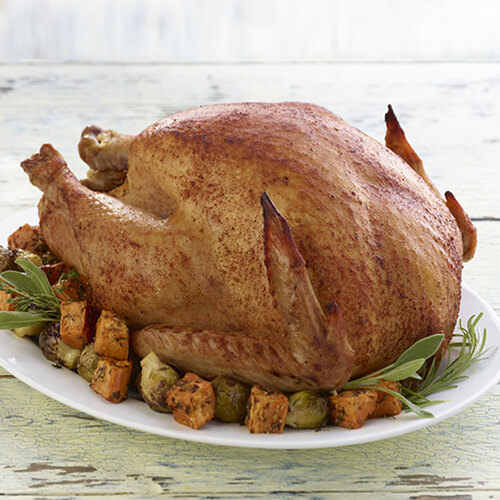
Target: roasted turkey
[271, 242]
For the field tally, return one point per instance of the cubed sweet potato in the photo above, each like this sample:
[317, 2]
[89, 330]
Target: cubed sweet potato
[55, 271]
[28, 238]
[4, 305]
[387, 405]
[75, 327]
[350, 409]
[266, 411]
[111, 336]
[112, 378]
[192, 401]
[73, 288]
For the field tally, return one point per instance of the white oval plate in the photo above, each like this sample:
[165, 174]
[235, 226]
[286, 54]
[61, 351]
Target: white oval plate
[23, 359]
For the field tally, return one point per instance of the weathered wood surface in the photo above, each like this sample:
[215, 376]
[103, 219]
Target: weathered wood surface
[450, 113]
[48, 448]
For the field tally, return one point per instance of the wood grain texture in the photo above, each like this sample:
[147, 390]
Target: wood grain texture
[450, 113]
[48, 448]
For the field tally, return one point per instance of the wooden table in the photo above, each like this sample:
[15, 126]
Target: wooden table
[451, 115]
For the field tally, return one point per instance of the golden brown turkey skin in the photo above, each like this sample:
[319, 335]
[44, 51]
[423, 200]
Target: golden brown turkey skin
[375, 238]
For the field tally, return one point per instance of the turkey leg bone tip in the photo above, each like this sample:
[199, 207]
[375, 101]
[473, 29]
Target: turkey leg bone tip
[106, 153]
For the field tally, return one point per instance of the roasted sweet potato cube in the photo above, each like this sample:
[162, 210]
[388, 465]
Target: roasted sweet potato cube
[75, 327]
[111, 336]
[54, 271]
[112, 378]
[266, 411]
[192, 401]
[73, 288]
[387, 405]
[350, 409]
[4, 305]
[28, 238]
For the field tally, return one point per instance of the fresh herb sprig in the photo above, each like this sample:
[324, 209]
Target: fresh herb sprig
[419, 380]
[33, 297]
[444, 374]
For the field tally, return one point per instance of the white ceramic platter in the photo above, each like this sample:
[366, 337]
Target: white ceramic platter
[23, 359]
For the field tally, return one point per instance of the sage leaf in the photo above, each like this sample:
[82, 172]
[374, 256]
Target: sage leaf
[37, 276]
[17, 319]
[423, 348]
[21, 282]
[403, 371]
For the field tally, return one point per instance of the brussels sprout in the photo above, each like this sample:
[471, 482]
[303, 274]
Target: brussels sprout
[87, 363]
[55, 349]
[24, 254]
[154, 381]
[6, 259]
[306, 410]
[29, 331]
[230, 399]
[49, 258]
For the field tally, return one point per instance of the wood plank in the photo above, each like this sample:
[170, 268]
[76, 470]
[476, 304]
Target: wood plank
[482, 273]
[48, 448]
[450, 111]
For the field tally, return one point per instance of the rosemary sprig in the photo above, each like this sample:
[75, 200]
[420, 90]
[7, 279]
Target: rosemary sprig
[445, 374]
[419, 381]
[33, 297]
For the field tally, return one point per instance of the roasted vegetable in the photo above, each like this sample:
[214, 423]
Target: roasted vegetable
[111, 379]
[306, 410]
[231, 399]
[6, 259]
[75, 324]
[266, 411]
[111, 336]
[154, 382]
[28, 238]
[49, 258]
[72, 286]
[55, 271]
[87, 363]
[26, 254]
[350, 409]
[387, 405]
[55, 349]
[5, 305]
[192, 401]
[29, 331]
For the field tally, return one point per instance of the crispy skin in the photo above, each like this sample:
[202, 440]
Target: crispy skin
[186, 247]
[311, 352]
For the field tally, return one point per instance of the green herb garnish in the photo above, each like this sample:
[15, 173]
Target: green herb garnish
[446, 373]
[34, 299]
[420, 380]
